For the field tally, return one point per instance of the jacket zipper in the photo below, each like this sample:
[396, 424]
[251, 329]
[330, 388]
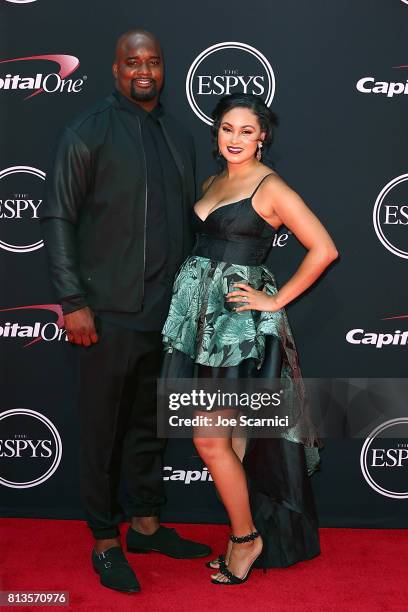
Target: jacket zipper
[180, 167]
[145, 211]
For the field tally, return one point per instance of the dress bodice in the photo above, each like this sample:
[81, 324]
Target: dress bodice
[234, 233]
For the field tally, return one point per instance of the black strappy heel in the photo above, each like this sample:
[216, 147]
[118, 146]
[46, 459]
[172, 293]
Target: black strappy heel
[223, 569]
[218, 560]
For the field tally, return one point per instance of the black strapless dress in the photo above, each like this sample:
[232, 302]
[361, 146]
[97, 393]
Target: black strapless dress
[204, 339]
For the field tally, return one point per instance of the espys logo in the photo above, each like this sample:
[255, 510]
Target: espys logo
[379, 339]
[226, 68]
[33, 331]
[49, 82]
[30, 448]
[390, 216]
[19, 204]
[384, 461]
[370, 85]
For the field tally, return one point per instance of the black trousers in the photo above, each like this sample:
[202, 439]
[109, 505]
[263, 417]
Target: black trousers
[118, 436]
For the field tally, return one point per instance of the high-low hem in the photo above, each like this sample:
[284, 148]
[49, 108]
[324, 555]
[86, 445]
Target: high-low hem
[204, 339]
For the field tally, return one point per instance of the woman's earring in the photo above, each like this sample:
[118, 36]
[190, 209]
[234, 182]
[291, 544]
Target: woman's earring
[259, 151]
[219, 152]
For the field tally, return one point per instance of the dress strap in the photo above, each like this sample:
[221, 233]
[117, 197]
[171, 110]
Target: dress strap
[259, 184]
[211, 182]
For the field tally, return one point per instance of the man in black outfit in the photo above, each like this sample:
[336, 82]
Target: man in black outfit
[116, 225]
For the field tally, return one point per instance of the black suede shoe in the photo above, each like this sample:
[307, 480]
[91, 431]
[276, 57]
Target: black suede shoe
[115, 571]
[166, 541]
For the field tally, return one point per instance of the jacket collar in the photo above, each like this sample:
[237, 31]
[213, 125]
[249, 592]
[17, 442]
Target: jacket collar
[137, 110]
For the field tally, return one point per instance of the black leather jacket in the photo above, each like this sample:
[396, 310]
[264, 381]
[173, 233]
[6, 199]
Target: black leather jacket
[94, 215]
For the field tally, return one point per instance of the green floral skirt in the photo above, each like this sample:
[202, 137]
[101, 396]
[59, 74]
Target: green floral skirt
[200, 324]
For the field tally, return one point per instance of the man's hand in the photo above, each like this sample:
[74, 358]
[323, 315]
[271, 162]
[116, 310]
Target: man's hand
[80, 327]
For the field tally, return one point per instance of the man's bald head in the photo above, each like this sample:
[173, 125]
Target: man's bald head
[138, 67]
[135, 37]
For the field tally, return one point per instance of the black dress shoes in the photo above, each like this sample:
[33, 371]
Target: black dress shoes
[115, 571]
[166, 541]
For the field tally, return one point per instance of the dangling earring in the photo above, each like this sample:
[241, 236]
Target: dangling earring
[219, 152]
[259, 151]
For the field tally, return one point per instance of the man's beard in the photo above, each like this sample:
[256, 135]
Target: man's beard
[144, 95]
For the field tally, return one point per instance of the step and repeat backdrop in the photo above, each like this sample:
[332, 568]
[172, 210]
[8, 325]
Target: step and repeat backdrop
[336, 73]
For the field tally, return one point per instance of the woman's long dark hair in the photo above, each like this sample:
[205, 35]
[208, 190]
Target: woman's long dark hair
[267, 120]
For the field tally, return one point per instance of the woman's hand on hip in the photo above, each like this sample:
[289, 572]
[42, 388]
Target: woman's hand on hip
[254, 299]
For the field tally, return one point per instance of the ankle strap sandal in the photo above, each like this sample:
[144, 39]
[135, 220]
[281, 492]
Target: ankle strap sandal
[243, 539]
[223, 569]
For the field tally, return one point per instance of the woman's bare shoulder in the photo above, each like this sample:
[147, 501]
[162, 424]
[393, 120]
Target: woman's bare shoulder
[274, 184]
[205, 185]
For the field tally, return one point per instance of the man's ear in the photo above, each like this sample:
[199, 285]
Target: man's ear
[115, 70]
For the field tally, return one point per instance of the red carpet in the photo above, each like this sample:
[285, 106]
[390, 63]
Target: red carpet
[358, 570]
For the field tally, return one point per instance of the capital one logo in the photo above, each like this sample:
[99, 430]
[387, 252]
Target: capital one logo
[384, 458]
[390, 216]
[30, 75]
[280, 240]
[226, 68]
[19, 206]
[372, 85]
[379, 339]
[32, 331]
[186, 476]
[30, 448]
